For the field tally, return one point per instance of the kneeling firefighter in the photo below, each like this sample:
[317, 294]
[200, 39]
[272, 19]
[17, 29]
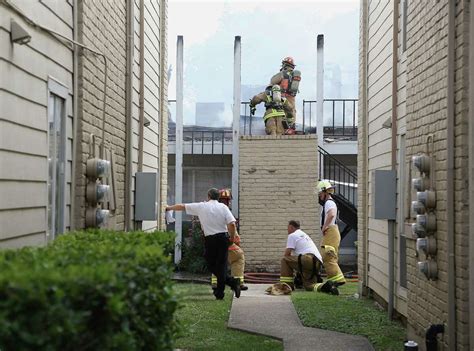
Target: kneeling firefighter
[278, 111]
[236, 258]
[331, 236]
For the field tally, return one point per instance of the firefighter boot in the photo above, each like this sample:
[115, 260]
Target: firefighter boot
[329, 288]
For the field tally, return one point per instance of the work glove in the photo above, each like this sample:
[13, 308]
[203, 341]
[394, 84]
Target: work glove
[253, 109]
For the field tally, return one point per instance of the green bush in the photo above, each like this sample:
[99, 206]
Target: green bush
[193, 250]
[88, 291]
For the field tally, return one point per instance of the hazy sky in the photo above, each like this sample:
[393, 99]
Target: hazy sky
[270, 31]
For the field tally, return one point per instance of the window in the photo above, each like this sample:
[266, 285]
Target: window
[56, 158]
[404, 8]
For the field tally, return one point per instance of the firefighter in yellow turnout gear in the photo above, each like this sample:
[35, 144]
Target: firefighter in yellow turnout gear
[236, 258]
[288, 79]
[278, 111]
[331, 239]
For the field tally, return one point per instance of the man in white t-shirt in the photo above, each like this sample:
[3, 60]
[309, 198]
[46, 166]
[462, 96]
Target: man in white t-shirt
[301, 255]
[218, 225]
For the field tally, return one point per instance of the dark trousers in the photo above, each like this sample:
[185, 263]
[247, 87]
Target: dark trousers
[216, 251]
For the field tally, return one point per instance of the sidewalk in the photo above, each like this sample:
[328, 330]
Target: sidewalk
[275, 316]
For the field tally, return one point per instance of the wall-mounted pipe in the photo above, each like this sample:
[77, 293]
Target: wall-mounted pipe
[471, 176]
[141, 118]
[129, 117]
[75, 113]
[391, 223]
[450, 139]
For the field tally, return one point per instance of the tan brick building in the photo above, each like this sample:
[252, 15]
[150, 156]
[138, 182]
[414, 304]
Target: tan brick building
[53, 112]
[416, 67]
[277, 182]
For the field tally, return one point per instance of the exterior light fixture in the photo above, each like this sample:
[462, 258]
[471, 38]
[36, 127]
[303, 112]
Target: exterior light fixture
[18, 34]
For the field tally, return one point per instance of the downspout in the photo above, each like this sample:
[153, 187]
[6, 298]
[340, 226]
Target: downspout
[163, 151]
[366, 145]
[142, 87]
[129, 118]
[75, 112]
[450, 230]
[391, 223]
[471, 177]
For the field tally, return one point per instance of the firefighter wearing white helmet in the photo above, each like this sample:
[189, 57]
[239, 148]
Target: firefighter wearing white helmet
[331, 237]
[288, 79]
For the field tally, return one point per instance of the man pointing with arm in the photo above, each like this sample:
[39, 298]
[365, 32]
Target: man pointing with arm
[218, 225]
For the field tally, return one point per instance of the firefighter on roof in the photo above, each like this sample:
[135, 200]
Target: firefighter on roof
[277, 111]
[288, 79]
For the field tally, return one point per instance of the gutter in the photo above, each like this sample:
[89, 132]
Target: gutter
[450, 140]
[141, 117]
[471, 177]
[129, 117]
[75, 112]
[392, 223]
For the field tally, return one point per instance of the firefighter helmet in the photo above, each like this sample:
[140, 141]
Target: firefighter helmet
[288, 61]
[325, 185]
[225, 195]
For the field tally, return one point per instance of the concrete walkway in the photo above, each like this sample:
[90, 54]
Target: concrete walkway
[275, 316]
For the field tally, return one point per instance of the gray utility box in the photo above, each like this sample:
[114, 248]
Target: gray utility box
[146, 196]
[384, 194]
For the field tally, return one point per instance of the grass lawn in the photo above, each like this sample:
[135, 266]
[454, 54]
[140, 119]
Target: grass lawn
[346, 314]
[204, 323]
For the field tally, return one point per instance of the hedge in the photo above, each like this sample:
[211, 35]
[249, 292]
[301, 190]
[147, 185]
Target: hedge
[89, 291]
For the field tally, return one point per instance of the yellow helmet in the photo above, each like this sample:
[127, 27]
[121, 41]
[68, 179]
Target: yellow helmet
[325, 185]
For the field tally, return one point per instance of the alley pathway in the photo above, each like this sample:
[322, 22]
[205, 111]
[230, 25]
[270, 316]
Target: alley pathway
[275, 316]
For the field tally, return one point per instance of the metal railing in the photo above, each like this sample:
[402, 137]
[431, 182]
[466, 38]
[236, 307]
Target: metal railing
[202, 139]
[342, 123]
[336, 172]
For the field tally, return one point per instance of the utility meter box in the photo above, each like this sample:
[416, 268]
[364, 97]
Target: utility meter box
[146, 196]
[384, 194]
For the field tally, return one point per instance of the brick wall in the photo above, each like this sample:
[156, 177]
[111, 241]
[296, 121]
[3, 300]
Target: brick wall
[278, 178]
[102, 25]
[427, 115]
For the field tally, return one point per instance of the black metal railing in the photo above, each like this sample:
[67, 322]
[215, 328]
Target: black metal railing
[342, 117]
[344, 179]
[201, 140]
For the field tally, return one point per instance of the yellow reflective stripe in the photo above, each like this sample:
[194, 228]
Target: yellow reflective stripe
[317, 286]
[338, 277]
[286, 279]
[274, 113]
[213, 279]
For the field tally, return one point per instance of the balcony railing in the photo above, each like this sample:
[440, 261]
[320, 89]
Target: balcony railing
[342, 117]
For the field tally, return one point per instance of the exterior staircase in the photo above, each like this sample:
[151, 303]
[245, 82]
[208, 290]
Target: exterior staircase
[345, 181]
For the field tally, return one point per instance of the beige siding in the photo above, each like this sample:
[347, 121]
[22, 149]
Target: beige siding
[25, 71]
[379, 102]
[421, 112]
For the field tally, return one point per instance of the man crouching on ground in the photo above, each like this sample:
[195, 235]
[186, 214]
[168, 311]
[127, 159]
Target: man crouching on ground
[301, 255]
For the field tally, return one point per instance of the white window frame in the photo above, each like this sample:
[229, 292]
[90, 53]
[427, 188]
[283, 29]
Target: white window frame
[59, 90]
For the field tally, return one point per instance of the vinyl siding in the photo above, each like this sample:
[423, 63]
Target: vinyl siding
[379, 72]
[25, 71]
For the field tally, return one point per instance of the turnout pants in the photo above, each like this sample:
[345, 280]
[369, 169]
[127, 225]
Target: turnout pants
[289, 264]
[236, 260]
[216, 252]
[274, 126]
[330, 250]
